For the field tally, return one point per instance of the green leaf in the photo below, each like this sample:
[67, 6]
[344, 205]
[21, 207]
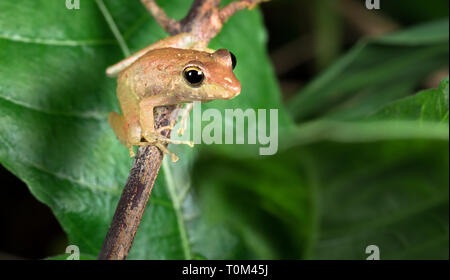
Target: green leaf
[428, 105]
[267, 200]
[374, 73]
[391, 194]
[421, 116]
[339, 187]
[332, 200]
[54, 99]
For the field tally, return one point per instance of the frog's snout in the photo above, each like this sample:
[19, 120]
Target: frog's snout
[227, 86]
[233, 88]
[220, 76]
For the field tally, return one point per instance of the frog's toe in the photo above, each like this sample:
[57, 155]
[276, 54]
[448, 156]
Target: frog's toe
[181, 131]
[169, 127]
[150, 137]
[131, 150]
[163, 149]
[177, 142]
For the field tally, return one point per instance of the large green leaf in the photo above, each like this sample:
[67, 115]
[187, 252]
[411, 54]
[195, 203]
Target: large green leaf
[374, 73]
[390, 194]
[268, 200]
[392, 189]
[341, 187]
[427, 106]
[332, 200]
[54, 99]
[422, 116]
[393, 194]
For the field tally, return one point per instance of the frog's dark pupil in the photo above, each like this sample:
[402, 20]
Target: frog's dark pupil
[194, 77]
[233, 60]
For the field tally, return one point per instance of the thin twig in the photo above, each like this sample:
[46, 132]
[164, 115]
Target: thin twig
[229, 10]
[204, 21]
[131, 205]
[170, 25]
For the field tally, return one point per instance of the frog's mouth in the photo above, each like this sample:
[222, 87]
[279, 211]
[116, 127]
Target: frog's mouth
[234, 90]
[225, 91]
[230, 87]
[220, 93]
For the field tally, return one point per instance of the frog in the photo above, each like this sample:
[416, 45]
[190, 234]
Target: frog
[176, 70]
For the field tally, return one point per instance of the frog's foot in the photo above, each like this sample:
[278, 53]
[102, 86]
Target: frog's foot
[171, 141]
[160, 146]
[158, 140]
[155, 137]
[130, 149]
[182, 129]
[166, 151]
[169, 127]
[163, 139]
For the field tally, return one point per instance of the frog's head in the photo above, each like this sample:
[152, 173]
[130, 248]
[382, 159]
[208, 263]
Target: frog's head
[210, 76]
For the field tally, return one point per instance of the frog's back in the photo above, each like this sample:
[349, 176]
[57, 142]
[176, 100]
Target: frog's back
[155, 71]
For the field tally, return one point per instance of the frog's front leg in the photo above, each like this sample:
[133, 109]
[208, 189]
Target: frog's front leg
[147, 122]
[183, 115]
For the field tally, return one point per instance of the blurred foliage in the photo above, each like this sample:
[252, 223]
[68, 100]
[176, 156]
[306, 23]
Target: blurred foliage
[383, 181]
[365, 163]
[413, 11]
[374, 73]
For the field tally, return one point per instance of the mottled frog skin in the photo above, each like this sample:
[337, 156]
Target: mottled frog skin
[167, 76]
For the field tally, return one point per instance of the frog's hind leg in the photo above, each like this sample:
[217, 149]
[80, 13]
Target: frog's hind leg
[120, 128]
[129, 105]
[165, 150]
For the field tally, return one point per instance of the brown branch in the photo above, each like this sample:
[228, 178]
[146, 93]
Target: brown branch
[236, 6]
[168, 24]
[204, 21]
[135, 195]
[365, 21]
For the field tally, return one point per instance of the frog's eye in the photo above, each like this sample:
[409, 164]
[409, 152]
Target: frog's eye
[233, 60]
[194, 76]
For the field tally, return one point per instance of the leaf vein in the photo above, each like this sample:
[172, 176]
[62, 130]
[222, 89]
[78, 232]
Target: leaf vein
[93, 115]
[54, 42]
[178, 212]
